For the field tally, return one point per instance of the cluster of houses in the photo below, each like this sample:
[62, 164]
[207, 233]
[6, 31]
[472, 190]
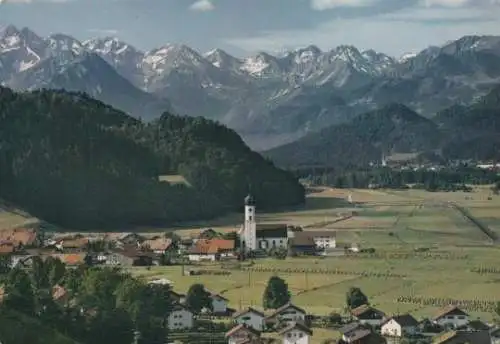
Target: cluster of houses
[127, 249]
[368, 326]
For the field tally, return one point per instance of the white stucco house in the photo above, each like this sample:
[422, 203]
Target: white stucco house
[322, 239]
[296, 333]
[242, 334]
[451, 316]
[399, 326]
[250, 317]
[180, 318]
[368, 315]
[287, 314]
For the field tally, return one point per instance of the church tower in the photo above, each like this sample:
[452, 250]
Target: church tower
[249, 237]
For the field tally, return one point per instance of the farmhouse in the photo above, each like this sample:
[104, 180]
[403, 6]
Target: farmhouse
[219, 303]
[241, 334]
[296, 333]
[302, 245]
[211, 249]
[322, 239]
[400, 326]
[180, 318]
[129, 257]
[250, 317]
[368, 315]
[158, 245]
[287, 314]
[451, 316]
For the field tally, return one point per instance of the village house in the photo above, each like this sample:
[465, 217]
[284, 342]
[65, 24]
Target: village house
[476, 325]
[322, 239]
[70, 259]
[451, 316]
[400, 326]
[72, 244]
[180, 318]
[302, 245]
[272, 236]
[296, 333]
[128, 239]
[211, 250]
[241, 334]
[129, 257]
[250, 317]
[495, 335]
[463, 337]
[356, 333]
[287, 314]
[178, 298]
[366, 314]
[219, 303]
[157, 245]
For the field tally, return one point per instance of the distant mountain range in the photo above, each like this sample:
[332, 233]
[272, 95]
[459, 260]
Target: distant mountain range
[458, 132]
[268, 99]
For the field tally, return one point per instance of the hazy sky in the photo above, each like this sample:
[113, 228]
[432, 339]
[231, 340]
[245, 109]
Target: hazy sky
[244, 26]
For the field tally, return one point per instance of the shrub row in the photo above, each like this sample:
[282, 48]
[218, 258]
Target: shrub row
[209, 272]
[393, 255]
[485, 270]
[470, 305]
[324, 271]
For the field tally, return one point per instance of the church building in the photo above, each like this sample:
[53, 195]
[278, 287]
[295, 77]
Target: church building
[264, 236]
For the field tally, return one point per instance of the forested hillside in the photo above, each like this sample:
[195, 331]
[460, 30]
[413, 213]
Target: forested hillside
[77, 162]
[393, 128]
[459, 132]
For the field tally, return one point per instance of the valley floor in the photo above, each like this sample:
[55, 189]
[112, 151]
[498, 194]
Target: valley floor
[395, 223]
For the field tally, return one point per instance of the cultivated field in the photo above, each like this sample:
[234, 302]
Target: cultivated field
[395, 223]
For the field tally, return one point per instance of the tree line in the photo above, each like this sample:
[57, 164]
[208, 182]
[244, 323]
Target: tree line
[440, 180]
[77, 162]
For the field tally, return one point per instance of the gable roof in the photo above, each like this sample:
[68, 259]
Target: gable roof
[284, 307]
[248, 310]
[242, 327]
[404, 320]
[215, 295]
[302, 241]
[358, 334]
[180, 307]
[447, 310]
[478, 325]
[463, 337]
[296, 326]
[212, 246]
[363, 309]
[70, 259]
[350, 327]
[317, 234]
[159, 244]
[272, 231]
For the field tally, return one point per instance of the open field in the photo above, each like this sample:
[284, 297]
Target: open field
[395, 223]
[13, 218]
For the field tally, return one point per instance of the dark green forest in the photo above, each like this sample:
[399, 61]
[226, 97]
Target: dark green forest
[450, 179]
[456, 133]
[80, 163]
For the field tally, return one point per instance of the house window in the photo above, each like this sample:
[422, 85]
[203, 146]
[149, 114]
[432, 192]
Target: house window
[289, 335]
[274, 243]
[301, 335]
[461, 317]
[250, 218]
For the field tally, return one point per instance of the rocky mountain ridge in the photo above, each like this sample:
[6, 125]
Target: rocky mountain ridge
[264, 97]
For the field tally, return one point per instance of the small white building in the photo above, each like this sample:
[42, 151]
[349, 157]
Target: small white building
[400, 326]
[296, 333]
[368, 315]
[242, 334]
[180, 318]
[288, 314]
[250, 317]
[451, 316]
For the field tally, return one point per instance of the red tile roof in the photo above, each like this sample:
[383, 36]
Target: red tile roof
[213, 246]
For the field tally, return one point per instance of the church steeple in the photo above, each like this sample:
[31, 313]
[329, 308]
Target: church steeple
[249, 200]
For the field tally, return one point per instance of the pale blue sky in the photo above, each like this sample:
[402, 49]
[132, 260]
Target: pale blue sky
[244, 26]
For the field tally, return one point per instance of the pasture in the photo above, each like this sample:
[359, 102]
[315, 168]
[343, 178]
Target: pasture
[417, 235]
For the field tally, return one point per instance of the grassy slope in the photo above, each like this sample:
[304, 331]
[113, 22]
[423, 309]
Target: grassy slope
[16, 328]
